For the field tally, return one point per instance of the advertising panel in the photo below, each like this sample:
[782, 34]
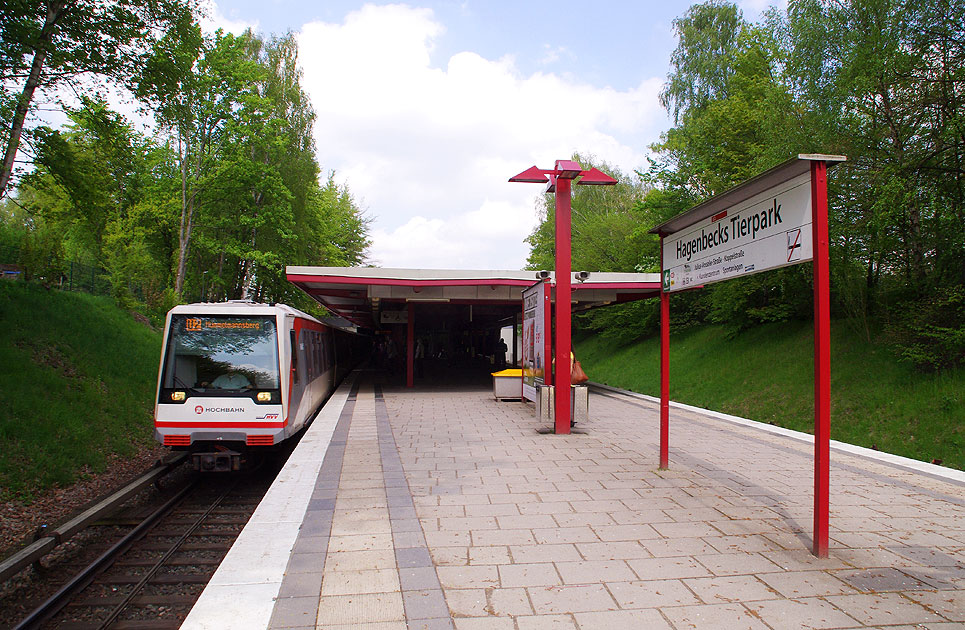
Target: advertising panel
[769, 230]
[535, 303]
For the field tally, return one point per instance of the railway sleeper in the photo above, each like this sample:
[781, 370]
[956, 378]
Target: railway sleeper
[214, 519]
[140, 600]
[139, 624]
[188, 547]
[197, 578]
[187, 562]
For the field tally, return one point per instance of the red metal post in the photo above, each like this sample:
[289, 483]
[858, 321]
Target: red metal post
[664, 372]
[563, 290]
[822, 358]
[410, 347]
[547, 333]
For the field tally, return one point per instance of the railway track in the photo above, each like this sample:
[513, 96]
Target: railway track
[151, 576]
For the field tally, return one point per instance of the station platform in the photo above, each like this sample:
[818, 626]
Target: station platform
[417, 509]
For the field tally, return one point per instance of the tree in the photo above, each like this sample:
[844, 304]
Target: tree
[876, 80]
[194, 87]
[241, 128]
[604, 220]
[54, 43]
[702, 63]
[890, 94]
[96, 162]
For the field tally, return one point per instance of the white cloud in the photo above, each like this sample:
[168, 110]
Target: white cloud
[487, 238]
[551, 54]
[212, 19]
[429, 149]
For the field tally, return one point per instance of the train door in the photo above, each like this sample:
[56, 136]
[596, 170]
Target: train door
[298, 380]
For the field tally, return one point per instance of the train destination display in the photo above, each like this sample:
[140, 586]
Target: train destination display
[770, 230]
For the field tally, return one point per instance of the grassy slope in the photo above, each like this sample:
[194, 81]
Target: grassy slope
[766, 374]
[77, 379]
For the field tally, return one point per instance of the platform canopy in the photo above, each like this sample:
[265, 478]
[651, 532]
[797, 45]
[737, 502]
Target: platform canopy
[361, 294]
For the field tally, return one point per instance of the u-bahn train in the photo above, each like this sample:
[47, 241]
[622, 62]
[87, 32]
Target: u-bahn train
[238, 377]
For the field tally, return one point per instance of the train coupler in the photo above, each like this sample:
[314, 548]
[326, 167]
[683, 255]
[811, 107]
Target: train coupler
[218, 461]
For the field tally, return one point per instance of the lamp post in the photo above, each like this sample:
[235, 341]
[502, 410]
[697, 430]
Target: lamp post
[559, 180]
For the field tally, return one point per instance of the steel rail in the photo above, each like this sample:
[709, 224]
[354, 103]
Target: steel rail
[114, 614]
[42, 545]
[60, 599]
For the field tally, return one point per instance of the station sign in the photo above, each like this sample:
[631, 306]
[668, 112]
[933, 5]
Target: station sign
[769, 230]
[394, 317]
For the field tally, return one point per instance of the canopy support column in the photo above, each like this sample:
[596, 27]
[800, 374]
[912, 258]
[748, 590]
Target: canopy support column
[410, 346]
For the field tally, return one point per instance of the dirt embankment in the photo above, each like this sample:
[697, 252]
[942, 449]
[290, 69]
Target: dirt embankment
[19, 520]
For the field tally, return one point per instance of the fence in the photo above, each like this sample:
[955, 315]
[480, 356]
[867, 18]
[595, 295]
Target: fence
[65, 275]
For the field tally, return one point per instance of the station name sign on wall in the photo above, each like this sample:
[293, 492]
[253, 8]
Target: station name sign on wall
[770, 230]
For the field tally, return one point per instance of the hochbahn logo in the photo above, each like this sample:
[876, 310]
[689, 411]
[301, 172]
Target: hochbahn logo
[200, 409]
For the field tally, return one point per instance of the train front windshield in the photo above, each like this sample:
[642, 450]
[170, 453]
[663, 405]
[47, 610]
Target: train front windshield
[221, 354]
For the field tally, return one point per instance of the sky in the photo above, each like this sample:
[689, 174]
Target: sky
[425, 110]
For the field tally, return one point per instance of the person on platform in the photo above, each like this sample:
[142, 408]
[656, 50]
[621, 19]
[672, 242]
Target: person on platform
[420, 357]
[501, 354]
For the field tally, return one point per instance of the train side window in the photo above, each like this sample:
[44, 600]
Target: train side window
[294, 355]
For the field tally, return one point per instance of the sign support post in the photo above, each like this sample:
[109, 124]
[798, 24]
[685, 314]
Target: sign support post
[773, 220]
[822, 358]
[664, 373]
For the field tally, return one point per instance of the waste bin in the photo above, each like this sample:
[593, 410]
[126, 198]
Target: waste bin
[508, 384]
[579, 403]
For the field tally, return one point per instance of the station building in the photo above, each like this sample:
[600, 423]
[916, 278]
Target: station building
[439, 326]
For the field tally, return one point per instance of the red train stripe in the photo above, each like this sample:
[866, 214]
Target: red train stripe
[221, 425]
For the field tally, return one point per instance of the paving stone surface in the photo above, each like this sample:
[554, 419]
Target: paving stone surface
[451, 511]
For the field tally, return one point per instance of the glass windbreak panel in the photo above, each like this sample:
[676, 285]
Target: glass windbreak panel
[221, 353]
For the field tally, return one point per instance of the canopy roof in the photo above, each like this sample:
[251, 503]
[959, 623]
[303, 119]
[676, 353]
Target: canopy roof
[359, 293]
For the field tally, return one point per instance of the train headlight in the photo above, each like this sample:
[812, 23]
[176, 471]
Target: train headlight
[177, 396]
[264, 396]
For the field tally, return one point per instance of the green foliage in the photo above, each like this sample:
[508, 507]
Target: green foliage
[55, 43]
[877, 80]
[605, 224]
[766, 374]
[215, 206]
[743, 303]
[242, 128]
[930, 333]
[702, 65]
[623, 323]
[73, 396]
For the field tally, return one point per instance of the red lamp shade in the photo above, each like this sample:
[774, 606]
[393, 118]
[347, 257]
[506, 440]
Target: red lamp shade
[596, 177]
[532, 175]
